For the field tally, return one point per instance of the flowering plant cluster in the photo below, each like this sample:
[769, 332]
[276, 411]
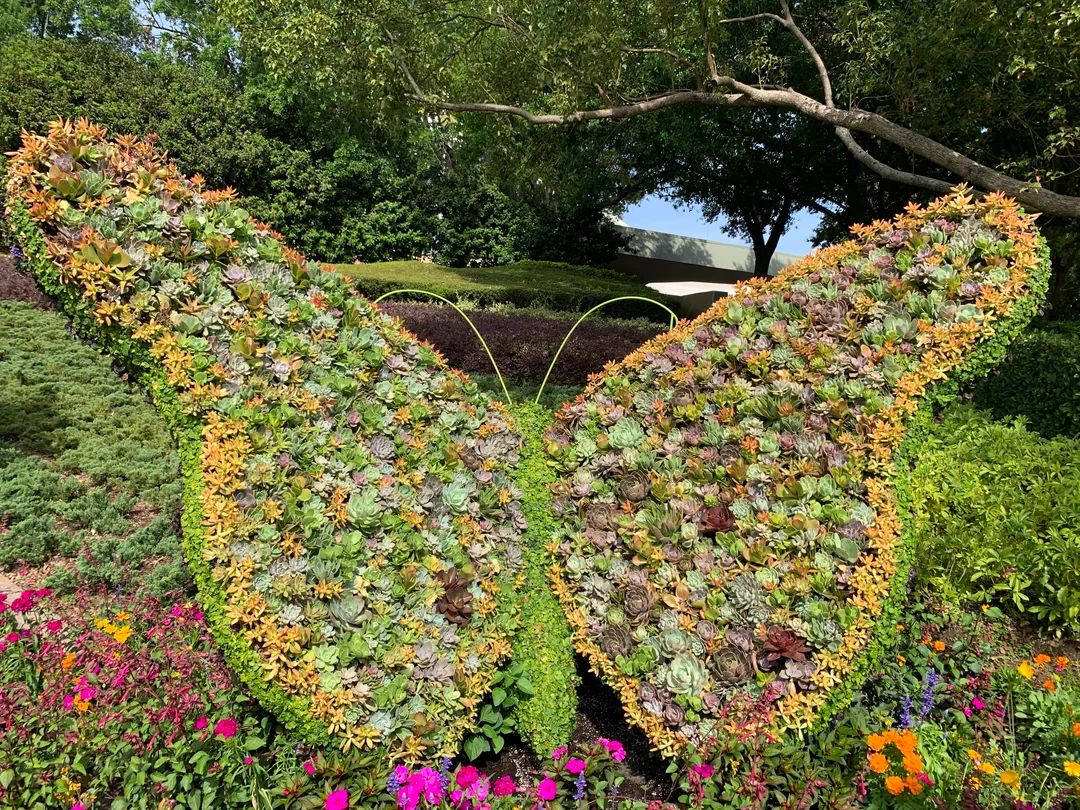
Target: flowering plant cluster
[895, 760]
[728, 522]
[102, 698]
[350, 516]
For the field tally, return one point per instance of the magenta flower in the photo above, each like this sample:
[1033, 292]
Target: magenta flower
[504, 786]
[705, 770]
[614, 747]
[248, 760]
[54, 626]
[977, 703]
[77, 806]
[309, 767]
[467, 775]
[201, 723]
[547, 789]
[338, 800]
[575, 766]
[225, 728]
[558, 753]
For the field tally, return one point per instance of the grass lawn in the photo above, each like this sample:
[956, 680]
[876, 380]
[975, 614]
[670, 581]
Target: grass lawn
[564, 287]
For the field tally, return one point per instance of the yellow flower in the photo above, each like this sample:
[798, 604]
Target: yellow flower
[123, 617]
[973, 754]
[1024, 668]
[122, 633]
[1072, 768]
[901, 660]
[987, 768]
[1010, 778]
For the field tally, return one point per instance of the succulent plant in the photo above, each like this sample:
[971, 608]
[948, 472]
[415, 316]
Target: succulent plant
[456, 602]
[782, 644]
[637, 603]
[717, 519]
[615, 641]
[685, 675]
[633, 486]
[731, 666]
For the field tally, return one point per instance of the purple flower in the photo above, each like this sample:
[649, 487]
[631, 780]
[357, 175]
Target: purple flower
[579, 787]
[926, 704]
[905, 712]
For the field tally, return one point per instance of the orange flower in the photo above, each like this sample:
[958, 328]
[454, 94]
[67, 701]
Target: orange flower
[890, 735]
[895, 785]
[879, 763]
[1050, 685]
[913, 763]
[69, 661]
[907, 742]
[877, 742]
[939, 646]
[1041, 659]
[914, 785]
[1061, 662]
[1076, 729]
[1024, 668]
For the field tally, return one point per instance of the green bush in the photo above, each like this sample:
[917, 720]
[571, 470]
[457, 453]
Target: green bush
[564, 287]
[997, 517]
[1040, 380]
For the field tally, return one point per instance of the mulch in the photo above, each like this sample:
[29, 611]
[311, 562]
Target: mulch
[14, 286]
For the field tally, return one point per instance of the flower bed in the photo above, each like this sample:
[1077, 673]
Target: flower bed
[729, 529]
[349, 517]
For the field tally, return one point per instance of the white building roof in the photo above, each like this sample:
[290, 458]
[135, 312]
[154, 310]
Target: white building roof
[702, 252]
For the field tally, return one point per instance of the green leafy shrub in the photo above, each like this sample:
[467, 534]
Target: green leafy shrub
[996, 517]
[349, 515]
[1039, 380]
[574, 288]
[729, 533]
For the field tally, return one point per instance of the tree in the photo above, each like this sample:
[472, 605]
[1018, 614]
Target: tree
[549, 63]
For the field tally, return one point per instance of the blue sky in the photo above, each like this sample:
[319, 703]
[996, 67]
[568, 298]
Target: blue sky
[656, 214]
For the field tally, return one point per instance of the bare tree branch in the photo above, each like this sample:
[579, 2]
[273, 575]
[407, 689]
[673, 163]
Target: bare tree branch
[888, 172]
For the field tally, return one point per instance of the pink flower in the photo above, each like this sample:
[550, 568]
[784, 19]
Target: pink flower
[558, 753]
[967, 712]
[614, 747]
[978, 704]
[69, 702]
[77, 806]
[467, 775]
[547, 789]
[338, 800]
[201, 723]
[705, 770]
[575, 766]
[226, 728]
[309, 767]
[504, 786]
[248, 760]
[54, 626]
[11, 638]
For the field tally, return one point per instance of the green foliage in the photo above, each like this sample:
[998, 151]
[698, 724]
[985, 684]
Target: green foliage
[59, 398]
[497, 717]
[543, 646]
[1039, 380]
[524, 284]
[995, 514]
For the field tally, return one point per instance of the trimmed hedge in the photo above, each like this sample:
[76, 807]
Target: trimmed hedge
[348, 511]
[731, 495]
[562, 287]
[1039, 380]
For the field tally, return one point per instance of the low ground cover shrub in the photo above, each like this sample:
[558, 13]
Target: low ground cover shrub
[1039, 380]
[729, 532]
[572, 288]
[996, 510]
[522, 345]
[349, 514]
